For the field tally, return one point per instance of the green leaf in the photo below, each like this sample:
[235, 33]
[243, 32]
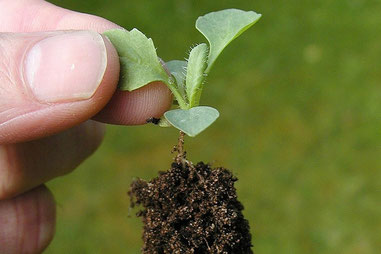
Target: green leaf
[197, 64]
[139, 62]
[221, 27]
[177, 69]
[192, 121]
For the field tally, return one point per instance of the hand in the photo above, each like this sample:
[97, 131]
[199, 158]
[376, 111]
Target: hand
[51, 83]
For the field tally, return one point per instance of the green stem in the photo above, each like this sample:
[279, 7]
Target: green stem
[182, 102]
[179, 98]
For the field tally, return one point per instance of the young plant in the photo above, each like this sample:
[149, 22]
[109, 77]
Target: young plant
[140, 66]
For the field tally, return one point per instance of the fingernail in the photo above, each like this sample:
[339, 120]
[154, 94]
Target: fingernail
[66, 67]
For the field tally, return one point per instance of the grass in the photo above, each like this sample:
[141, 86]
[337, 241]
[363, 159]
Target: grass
[300, 126]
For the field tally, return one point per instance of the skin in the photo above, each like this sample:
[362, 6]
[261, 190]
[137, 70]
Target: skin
[31, 131]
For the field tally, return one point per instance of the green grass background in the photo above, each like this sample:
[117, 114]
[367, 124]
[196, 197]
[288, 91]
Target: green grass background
[300, 102]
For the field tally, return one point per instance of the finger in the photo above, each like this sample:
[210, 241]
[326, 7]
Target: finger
[130, 108]
[125, 107]
[27, 222]
[27, 165]
[52, 81]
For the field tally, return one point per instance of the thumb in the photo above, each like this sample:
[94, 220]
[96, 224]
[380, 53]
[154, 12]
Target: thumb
[52, 81]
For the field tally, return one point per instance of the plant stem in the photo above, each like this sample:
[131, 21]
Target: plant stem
[180, 145]
[179, 148]
[180, 99]
[181, 157]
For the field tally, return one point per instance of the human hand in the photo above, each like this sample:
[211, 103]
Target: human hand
[51, 84]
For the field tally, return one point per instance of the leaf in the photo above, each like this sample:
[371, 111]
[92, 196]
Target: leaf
[197, 64]
[221, 27]
[192, 121]
[139, 62]
[177, 69]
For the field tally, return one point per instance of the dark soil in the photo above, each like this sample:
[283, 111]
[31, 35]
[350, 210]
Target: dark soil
[191, 209]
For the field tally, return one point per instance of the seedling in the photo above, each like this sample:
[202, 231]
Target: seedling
[140, 66]
[191, 208]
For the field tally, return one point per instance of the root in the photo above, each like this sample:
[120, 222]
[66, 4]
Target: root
[181, 157]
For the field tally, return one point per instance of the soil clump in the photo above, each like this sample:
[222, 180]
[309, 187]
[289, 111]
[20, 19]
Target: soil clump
[191, 209]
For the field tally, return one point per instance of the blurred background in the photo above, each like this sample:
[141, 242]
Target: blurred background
[300, 102]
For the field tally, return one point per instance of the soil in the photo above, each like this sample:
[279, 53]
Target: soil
[191, 209]
[153, 120]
